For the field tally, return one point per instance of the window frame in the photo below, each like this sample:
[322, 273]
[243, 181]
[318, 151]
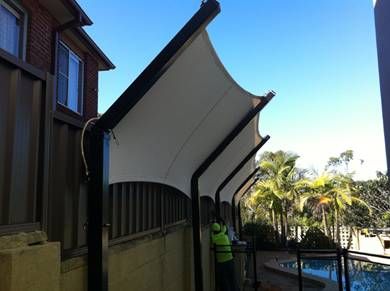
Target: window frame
[20, 13]
[71, 54]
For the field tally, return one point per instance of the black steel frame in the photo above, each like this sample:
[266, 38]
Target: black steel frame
[234, 172]
[251, 249]
[134, 93]
[242, 185]
[342, 257]
[98, 236]
[98, 218]
[196, 227]
[239, 208]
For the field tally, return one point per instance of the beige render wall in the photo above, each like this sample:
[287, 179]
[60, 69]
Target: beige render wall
[151, 264]
[29, 262]
[159, 264]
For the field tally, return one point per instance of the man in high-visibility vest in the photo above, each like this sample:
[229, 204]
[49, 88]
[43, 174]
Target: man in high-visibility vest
[226, 277]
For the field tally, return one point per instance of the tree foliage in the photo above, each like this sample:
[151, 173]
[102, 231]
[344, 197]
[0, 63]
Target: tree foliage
[286, 196]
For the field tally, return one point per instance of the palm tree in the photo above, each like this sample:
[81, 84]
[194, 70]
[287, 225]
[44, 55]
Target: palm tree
[279, 177]
[316, 196]
[327, 193]
[262, 196]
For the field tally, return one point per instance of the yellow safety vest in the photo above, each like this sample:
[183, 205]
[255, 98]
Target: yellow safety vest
[222, 243]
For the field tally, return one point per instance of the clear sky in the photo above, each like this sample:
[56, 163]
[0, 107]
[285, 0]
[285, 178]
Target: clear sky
[319, 56]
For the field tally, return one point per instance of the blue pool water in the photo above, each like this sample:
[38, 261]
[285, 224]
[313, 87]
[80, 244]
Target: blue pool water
[364, 276]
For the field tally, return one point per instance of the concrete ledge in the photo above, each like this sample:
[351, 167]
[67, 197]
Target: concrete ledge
[22, 240]
[32, 268]
[326, 284]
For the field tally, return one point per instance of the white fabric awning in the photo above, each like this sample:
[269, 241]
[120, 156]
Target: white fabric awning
[229, 159]
[243, 191]
[178, 111]
[231, 188]
[181, 120]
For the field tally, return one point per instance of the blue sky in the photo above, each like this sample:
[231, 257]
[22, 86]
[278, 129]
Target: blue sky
[319, 56]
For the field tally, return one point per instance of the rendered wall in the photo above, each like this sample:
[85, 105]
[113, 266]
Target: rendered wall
[29, 262]
[162, 263]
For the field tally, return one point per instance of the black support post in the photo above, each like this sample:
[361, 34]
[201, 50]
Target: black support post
[239, 221]
[239, 209]
[346, 271]
[299, 263]
[339, 269]
[234, 207]
[234, 172]
[196, 234]
[195, 199]
[255, 280]
[98, 212]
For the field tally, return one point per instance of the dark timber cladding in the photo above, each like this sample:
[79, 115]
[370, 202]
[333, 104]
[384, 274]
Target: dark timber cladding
[235, 171]
[22, 101]
[159, 65]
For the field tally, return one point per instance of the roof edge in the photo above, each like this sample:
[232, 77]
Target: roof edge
[105, 62]
[76, 9]
[134, 93]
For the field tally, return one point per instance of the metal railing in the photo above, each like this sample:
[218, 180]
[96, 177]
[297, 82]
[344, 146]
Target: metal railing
[342, 257]
[249, 249]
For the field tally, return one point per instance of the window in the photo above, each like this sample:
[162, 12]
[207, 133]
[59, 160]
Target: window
[69, 79]
[11, 28]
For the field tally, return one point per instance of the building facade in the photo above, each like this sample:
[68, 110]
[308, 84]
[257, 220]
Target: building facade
[48, 90]
[382, 23]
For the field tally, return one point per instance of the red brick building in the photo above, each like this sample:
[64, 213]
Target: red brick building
[48, 88]
[48, 34]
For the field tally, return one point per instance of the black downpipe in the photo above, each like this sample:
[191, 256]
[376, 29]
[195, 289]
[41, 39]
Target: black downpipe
[98, 191]
[234, 172]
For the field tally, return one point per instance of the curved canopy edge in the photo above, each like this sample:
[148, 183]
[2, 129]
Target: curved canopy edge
[159, 65]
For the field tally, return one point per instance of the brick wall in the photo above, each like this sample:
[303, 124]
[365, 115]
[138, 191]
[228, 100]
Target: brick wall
[40, 37]
[40, 52]
[90, 87]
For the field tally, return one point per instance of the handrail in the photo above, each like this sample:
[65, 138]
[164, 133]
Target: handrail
[368, 254]
[249, 248]
[341, 256]
[318, 251]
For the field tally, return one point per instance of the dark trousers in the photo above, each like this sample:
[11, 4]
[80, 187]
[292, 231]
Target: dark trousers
[226, 277]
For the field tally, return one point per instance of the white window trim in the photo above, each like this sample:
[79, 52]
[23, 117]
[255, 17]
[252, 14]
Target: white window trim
[21, 14]
[81, 97]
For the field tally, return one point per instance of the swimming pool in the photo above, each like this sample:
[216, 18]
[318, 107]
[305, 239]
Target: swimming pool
[364, 276]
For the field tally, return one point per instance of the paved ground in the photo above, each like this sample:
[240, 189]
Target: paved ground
[272, 281]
